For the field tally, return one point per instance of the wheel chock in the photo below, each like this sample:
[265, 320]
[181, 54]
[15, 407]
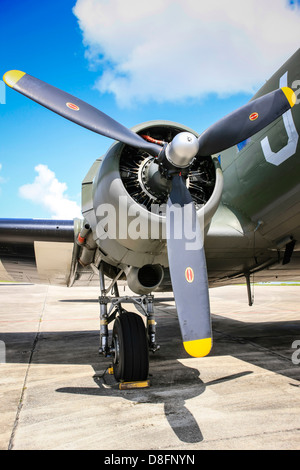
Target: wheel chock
[131, 385]
[110, 370]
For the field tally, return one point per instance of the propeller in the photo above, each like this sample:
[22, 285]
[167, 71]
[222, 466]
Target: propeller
[245, 121]
[185, 241]
[75, 110]
[188, 271]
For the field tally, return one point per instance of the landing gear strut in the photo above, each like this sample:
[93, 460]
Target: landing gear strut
[131, 341]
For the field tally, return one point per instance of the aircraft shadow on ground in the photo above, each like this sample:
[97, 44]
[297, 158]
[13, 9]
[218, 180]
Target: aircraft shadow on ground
[172, 383]
[173, 394]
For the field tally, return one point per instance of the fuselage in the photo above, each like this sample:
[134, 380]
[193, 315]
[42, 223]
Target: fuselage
[257, 225]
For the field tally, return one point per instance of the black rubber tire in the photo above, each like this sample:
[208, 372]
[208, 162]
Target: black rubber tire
[132, 359]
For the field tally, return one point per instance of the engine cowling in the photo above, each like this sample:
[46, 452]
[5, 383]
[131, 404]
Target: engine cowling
[124, 200]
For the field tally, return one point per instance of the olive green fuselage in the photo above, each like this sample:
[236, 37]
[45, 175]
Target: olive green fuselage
[260, 210]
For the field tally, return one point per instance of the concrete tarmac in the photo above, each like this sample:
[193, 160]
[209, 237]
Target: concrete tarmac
[56, 394]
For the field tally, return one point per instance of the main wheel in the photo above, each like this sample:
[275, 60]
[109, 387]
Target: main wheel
[131, 360]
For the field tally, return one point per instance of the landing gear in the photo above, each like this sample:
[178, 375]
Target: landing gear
[131, 340]
[130, 348]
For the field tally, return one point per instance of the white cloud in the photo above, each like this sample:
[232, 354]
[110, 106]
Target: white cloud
[170, 50]
[49, 192]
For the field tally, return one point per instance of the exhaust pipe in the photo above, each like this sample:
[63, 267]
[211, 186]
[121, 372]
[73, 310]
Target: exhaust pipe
[88, 244]
[145, 279]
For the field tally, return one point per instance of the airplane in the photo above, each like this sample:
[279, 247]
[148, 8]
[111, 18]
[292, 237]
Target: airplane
[169, 210]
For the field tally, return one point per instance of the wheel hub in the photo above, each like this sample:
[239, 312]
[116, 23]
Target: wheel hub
[116, 349]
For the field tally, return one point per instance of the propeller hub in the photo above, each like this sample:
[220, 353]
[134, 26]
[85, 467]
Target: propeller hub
[152, 182]
[182, 150]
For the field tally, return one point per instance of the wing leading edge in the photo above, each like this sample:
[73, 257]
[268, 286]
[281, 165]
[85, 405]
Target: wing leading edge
[36, 250]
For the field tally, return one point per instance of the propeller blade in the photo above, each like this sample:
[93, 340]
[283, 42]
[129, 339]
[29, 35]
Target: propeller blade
[245, 121]
[188, 271]
[75, 110]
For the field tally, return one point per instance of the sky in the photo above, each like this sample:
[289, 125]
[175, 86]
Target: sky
[188, 61]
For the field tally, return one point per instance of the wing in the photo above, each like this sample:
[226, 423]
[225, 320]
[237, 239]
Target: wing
[36, 250]
[236, 248]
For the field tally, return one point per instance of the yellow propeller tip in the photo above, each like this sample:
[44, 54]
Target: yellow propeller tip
[290, 95]
[198, 347]
[12, 77]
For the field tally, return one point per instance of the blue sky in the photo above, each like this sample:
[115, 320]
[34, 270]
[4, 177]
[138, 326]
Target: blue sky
[186, 61]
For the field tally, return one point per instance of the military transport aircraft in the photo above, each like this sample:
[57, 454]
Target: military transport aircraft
[159, 194]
